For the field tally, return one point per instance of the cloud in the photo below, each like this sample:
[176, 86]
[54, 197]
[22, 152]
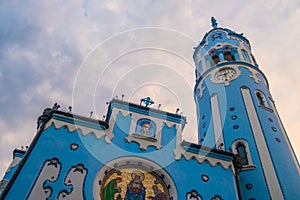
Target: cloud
[43, 43]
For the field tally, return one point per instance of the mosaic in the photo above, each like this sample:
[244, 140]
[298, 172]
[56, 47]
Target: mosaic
[132, 184]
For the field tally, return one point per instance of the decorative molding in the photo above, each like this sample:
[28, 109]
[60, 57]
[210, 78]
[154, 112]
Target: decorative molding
[179, 151]
[217, 123]
[144, 141]
[48, 184]
[201, 88]
[212, 161]
[254, 74]
[75, 178]
[83, 129]
[49, 172]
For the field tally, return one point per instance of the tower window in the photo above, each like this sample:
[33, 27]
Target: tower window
[245, 56]
[241, 151]
[241, 148]
[215, 60]
[261, 98]
[228, 56]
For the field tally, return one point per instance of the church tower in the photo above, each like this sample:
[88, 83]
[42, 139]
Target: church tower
[236, 113]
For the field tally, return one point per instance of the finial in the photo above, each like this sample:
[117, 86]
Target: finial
[158, 107]
[56, 106]
[214, 23]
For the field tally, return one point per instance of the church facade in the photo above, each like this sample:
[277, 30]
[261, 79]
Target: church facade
[138, 153]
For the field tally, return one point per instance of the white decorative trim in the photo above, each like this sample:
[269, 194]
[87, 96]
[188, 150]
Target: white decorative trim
[212, 161]
[217, 124]
[254, 75]
[84, 130]
[236, 67]
[144, 141]
[265, 158]
[179, 151]
[74, 178]
[249, 157]
[201, 89]
[49, 172]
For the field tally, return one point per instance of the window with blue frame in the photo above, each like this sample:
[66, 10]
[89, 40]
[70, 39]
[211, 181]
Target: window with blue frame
[246, 56]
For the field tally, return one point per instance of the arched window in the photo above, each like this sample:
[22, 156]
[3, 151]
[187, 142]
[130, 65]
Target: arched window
[241, 148]
[241, 151]
[261, 98]
[228, 56]
[245, 56]
[215, 59]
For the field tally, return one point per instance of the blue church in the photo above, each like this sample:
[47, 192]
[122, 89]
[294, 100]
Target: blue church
[138, 153]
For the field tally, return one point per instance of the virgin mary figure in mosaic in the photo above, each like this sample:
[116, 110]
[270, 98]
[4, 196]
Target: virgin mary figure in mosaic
[135, 189]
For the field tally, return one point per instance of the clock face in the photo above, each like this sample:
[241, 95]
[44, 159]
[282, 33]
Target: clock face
[226, 74]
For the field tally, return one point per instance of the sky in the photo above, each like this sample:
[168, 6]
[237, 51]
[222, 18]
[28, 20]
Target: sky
[84, 53]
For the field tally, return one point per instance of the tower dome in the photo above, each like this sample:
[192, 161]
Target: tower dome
[220, 46]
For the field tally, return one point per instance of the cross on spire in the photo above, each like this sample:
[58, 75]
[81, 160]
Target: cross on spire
[214, 23]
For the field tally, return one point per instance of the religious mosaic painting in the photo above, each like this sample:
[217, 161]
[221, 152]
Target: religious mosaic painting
[146, 127]
[132, 184]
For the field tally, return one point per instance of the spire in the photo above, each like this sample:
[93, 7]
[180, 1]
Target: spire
[214, 23]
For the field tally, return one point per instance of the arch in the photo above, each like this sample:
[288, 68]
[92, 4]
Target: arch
[241, 147]
[246, 56]
[261, 99]
[228, 56]
[215, 59]
[229, 53]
